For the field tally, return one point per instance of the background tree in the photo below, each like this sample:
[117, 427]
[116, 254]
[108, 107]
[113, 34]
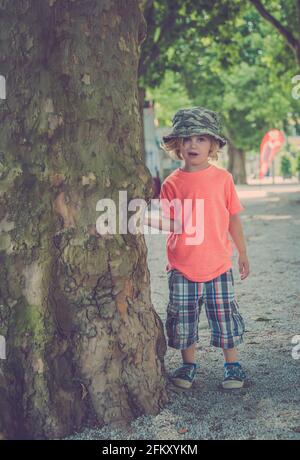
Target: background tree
[285, 167]
[298, 166]
[284, 16]
[244, 71]
[167, 22]
[173, 26]
[84, 344]
[249, 79]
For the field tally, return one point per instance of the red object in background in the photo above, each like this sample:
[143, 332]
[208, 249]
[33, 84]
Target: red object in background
[271, 144]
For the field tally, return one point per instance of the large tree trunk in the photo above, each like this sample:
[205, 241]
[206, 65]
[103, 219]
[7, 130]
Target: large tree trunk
[237, 164]
[142, 93]
[84, 344]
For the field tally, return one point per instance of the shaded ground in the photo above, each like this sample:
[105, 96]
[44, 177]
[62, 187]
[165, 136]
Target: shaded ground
[269, 301]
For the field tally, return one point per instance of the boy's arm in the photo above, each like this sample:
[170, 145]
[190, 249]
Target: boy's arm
[163, 217]
[236, 232]
[161, 222]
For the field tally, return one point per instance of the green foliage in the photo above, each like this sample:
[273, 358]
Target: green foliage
[241, 67]
[171, 21]
[286, 166]
[169, 97]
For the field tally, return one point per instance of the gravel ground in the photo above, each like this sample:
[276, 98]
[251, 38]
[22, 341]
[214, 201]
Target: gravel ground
[268, 408]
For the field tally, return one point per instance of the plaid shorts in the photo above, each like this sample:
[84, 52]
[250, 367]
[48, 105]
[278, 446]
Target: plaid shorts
[185, 300]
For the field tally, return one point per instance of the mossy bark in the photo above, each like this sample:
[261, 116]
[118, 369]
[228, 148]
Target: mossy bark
[84, 343]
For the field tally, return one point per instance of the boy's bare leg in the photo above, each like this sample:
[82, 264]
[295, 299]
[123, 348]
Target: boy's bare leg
[230, 355]
[188, 355]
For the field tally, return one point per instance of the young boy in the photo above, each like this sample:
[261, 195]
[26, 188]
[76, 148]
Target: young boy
[201, 271]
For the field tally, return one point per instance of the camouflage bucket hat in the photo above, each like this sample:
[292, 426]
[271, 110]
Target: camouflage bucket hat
[196, 120]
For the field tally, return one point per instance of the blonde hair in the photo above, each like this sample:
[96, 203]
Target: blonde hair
[173, 146]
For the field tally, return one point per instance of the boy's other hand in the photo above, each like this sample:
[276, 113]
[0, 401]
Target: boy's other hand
[243, 265]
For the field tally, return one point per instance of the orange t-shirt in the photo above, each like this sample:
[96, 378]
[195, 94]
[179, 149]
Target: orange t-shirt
[205, 200]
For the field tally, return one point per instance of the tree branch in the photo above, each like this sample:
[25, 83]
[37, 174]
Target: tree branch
[167, 24]
[291, 40]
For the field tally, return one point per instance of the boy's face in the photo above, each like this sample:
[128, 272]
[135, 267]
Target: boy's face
[195, 149]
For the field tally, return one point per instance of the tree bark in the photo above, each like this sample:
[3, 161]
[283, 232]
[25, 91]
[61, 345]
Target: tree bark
[237, 164]
[84, 343]
[142, 97]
